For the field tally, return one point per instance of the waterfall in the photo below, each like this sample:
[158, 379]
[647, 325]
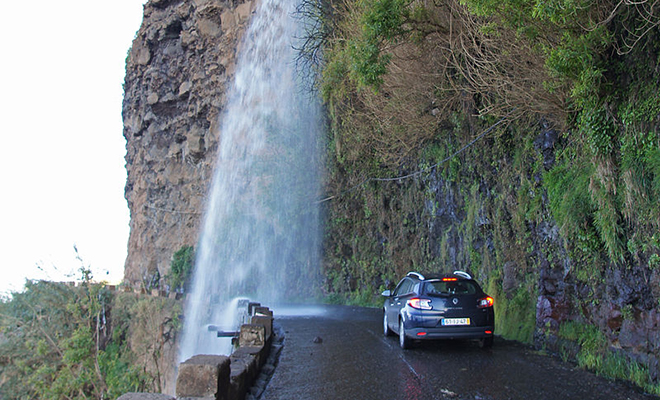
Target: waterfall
[260, 237]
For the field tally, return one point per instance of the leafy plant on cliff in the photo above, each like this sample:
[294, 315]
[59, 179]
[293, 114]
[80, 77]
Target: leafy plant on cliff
[577, 40]
[181, 269]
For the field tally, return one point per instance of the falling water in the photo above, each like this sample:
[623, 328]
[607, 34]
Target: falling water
[260, 235]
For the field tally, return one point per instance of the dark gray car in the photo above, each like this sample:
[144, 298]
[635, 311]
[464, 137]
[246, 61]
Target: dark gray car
[451, 306]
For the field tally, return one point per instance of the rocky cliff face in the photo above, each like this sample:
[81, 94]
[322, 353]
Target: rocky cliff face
[605, 315]
[177, 73]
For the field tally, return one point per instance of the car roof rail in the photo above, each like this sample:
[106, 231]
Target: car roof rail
[463, 274]
[417, 274]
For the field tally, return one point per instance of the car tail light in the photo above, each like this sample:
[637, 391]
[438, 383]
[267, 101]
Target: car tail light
[420, 304]
[449, 279]
[485, 302]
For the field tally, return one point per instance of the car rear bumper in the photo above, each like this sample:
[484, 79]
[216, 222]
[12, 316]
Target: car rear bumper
[454, 332]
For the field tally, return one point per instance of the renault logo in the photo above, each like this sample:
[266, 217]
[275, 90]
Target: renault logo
[455, 301]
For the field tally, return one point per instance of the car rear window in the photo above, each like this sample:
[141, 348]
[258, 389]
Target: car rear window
[451, 287]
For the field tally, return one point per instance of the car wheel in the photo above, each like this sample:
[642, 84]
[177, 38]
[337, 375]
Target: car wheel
[386, 329]
[486, 343]
[404, 341]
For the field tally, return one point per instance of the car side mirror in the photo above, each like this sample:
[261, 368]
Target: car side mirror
[387, 293]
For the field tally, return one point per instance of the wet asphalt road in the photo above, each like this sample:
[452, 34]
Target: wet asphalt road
[355, 361]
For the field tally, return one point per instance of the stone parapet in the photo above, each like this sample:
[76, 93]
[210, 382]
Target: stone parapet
[204, 377]
[252, 335]
[266, 322]
[216, 377]
[246, 363]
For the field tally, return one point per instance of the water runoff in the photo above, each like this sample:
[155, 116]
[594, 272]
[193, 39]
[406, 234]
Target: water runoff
[260, 237]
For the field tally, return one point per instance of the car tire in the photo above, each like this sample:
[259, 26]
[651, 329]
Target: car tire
[386, 329]
[486, 343]
[404, 341]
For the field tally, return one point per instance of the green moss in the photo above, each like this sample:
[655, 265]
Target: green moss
[515, 318]
[365, 298]
[181, 268]
[595, 354]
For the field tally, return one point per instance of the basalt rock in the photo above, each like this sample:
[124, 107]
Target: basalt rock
[177, 73]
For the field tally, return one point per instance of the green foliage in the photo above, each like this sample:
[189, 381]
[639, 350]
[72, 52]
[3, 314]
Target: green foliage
[558, 12]
[593, 343]
[181, 269]
[654, 262]
[611, 175]
[361, 58]
[515, 315]
[57, 343]
[121, 374]
[576, 61]
[61, 322]
[569, 33]
[595, 354]
[334, 75]
[640, 154]
[382, 22]
[150, 328]
[585, 211]
[383, 19]
[599, 128]
[570, 203]
[365, 298]
[33, 319]
[516, 13]
[368, 64]
[589, 194]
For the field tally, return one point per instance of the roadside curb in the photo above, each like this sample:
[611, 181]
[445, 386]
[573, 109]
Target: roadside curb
[268, 369]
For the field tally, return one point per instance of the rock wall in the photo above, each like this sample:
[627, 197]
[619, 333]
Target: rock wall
[492, 219]
[177, 73]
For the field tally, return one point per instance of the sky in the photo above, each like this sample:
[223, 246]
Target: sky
[62, 167]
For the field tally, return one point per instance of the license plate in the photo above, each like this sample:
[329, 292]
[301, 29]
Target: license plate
[455, 321]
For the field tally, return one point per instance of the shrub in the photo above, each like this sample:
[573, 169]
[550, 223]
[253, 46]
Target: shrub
[56, 345]
[181, 269]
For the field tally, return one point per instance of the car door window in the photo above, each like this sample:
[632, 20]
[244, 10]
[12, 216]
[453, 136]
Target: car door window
[397, 291]
[403, 288]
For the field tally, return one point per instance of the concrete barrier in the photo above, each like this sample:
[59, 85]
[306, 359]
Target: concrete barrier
[263, 312]
[266, 322]
[252, 306]
[204, 376]
[246, 363]
[229, 378]
[252, 335]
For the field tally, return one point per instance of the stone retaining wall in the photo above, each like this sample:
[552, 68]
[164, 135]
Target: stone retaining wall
[216, 377]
